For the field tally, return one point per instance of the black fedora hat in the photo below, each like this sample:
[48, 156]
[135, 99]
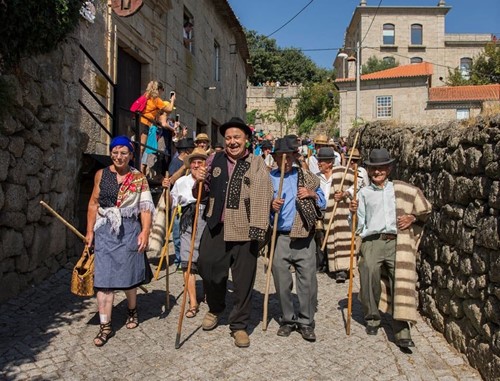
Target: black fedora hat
[326, 153]
[379, 156]
[185, 143]
[266, 144]
[284, 145]
[235, 122]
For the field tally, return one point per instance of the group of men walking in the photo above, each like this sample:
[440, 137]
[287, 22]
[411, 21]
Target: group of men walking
[243, 197]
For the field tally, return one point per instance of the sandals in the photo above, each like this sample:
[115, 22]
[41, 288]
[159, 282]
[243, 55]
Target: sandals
[192, 312]
[106, 332]
[132, 320]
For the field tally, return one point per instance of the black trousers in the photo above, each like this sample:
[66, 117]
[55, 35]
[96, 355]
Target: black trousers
[215, 260]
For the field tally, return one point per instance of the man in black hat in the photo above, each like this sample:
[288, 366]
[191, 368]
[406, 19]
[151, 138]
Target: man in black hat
[390, 216]
[299, 207]
[239, 193]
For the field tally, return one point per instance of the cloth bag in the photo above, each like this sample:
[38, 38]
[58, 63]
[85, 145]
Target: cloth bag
[82, 278]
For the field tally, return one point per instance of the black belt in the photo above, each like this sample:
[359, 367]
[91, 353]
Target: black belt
[280, 232]
[382, 236]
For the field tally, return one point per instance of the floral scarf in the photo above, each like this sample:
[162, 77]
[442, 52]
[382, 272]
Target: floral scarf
[133, 198]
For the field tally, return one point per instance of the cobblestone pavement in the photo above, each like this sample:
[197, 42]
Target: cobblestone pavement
[46, 334]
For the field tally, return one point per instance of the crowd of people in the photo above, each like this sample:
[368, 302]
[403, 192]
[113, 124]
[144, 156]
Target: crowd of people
[243, 187]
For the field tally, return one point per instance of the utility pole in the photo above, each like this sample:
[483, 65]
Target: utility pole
[358, 80]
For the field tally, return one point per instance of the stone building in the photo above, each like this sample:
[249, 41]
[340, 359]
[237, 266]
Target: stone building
[263, 99]
[404, 95]
[208, 70]
[409, 34]
[49, 141]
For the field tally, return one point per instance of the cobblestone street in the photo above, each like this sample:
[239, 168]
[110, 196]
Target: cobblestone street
[46, 334]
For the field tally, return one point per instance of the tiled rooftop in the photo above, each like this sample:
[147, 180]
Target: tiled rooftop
[464, 93]
[404, 71]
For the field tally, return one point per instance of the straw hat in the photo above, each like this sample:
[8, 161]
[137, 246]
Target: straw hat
[197, 153]
[355, 153]
[202, 137]
[321, 139]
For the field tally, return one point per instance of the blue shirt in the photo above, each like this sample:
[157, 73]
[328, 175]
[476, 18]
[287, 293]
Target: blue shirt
[289, 194]
[376, 210]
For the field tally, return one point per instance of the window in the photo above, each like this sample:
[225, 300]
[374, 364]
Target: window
[388, 34]
[188, 32]
[384, 107]
[465, 66]
[416, 34]
[216, 61]
[389, 60]
[416, 60]
[462, 113]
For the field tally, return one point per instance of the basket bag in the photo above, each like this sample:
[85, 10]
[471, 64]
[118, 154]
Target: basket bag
[82, 279]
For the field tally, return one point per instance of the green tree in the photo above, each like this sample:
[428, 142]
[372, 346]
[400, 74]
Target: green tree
[272, 63]
[318, 102]
[374, 64]
[485, 68]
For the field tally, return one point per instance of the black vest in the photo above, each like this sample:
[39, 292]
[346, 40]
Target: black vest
[218, 188]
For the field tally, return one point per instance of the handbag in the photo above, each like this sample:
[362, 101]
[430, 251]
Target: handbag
[82, 278]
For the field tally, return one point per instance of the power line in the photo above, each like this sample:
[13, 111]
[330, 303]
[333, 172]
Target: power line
[289, 21]
[373, 19]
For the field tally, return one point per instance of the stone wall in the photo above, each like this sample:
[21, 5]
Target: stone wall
[458, 168]
[263, 99]
[39, 160]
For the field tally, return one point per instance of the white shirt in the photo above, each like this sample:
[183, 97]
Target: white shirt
[325, 184]
[182, 191]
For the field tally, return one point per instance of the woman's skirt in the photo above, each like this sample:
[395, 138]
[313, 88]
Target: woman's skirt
[118, 264]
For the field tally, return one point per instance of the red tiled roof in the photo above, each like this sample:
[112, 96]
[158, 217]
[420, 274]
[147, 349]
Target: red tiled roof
[413, 70]
[464, 93]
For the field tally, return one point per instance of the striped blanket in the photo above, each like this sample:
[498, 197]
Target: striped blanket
[403, 304]
[338, 244]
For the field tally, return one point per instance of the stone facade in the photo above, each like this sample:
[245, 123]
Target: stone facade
[263, 99]
[457, 167]
[40, 153]
[439, 48]
[44, 139]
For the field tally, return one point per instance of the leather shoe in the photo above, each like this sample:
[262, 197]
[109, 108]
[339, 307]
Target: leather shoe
[241, 339]
[210, 321]
[307, 333]
[285, 330]
[405, 343]
[372, 329]
[341, 277]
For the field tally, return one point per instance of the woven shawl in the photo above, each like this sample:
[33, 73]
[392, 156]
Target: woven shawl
[307, 212]
[403, 304]
[338, 244]
[248, 202]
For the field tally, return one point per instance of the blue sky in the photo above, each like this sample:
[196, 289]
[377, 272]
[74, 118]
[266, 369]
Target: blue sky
[322, 24]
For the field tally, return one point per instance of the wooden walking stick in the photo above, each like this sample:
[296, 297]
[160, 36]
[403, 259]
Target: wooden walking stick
[327, 231]
[164, 249]
[190, 262]
[273, 246]
[74, 230]
[166, 194]
[351, 261]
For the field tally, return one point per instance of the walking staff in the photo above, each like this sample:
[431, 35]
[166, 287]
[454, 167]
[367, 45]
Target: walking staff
[190, 262]
[164, 251]
[327, 232]
[273, 245]
[74, 230]
[351, 263]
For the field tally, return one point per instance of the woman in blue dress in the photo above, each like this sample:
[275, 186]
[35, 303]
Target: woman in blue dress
[119, 222]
